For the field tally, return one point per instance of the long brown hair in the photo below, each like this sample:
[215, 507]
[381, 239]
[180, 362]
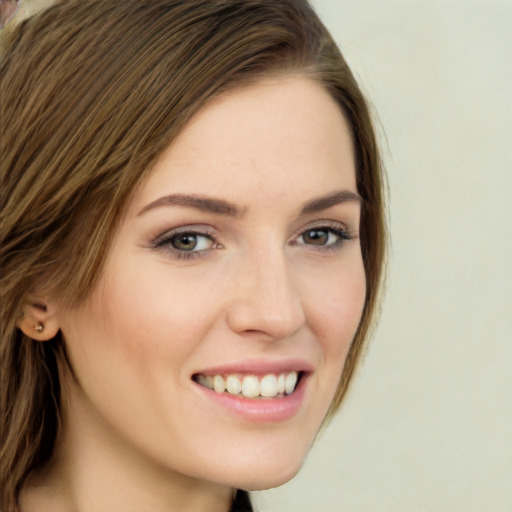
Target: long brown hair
[91, 93]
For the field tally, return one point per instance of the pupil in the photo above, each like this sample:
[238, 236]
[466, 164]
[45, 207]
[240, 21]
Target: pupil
[316, 237]
[185, 242]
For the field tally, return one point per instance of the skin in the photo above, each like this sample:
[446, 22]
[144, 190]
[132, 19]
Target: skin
[139, 433]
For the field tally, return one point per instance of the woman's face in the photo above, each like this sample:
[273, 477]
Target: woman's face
[238, 263]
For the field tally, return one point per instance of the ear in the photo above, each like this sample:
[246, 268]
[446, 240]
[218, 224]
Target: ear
[38, 320]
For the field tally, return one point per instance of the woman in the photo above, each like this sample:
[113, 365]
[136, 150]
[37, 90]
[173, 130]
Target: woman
[192, 239]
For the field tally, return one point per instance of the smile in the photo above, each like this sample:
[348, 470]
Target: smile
[251, 386]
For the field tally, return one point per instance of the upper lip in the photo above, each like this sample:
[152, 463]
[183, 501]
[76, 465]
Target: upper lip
[259, 367]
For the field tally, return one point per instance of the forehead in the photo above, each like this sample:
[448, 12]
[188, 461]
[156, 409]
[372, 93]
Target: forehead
[283, 134]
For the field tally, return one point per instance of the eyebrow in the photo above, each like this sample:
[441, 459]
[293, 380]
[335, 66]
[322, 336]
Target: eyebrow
[203, 203]
[325, 202]
[222, 207]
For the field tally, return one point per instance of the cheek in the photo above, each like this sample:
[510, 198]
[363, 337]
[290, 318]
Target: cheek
[335, 311]
[114, 340]
[337, 308]
[159, 316]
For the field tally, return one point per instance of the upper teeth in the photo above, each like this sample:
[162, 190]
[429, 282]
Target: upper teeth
[251, 386]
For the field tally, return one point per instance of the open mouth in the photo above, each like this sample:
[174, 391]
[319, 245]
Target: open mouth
[251, 386]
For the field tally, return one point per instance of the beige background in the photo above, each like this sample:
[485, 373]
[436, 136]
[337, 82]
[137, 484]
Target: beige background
[427, 426]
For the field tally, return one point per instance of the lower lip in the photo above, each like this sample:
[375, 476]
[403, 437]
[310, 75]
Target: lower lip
[262, 410]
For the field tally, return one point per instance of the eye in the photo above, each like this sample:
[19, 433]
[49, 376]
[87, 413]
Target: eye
[190, 242]
[186, 243]
[324, 237]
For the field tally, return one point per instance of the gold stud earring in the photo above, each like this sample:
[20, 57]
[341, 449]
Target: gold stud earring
[39, 327]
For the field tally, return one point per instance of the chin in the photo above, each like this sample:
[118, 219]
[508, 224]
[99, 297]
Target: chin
[265, 473]
[268, 481]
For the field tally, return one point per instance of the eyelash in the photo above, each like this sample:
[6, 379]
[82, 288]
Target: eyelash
[166, 240]
[341, 233]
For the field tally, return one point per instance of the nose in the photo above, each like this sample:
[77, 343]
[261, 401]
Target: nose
[264, 300]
